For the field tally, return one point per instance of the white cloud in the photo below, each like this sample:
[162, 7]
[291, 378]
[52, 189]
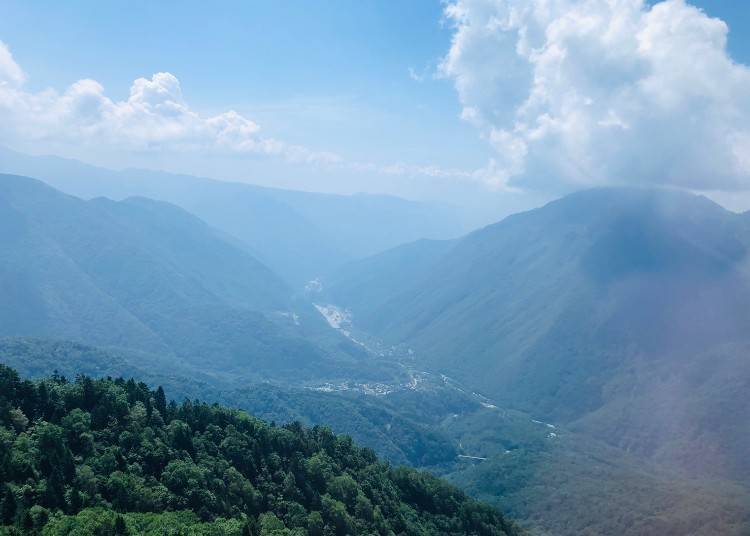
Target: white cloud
[589, 92]
[154, 117]
[10, 72]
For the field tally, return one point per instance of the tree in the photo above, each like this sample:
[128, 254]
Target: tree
[315, 525]
[363, 508]
[345, 489]
[160, 401]
[270, 525]
[336, 512]
[9, 506]
[106, 469]
[18, 419]
[120, 528]
[180, 436]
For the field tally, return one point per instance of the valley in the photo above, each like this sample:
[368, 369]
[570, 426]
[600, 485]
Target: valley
[341, 268]
[511, 459]
[426, 353]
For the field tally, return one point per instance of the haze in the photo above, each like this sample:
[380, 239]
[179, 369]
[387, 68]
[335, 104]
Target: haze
[294, 268]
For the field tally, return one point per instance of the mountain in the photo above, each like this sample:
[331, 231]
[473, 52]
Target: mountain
[619, 312]
[114, 457]
[552, 480]
[368, 284]
[300, 235]
[144, 275]
[597, 287]
[574, 485]
[400, 439]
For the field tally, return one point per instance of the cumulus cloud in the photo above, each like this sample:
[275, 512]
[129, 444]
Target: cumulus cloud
[586, 92]
[155, 116]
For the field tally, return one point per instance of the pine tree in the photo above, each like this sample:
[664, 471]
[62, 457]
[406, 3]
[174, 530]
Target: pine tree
[9, 507]
[120, 528]
[75, 502]
[28, 522]
[161, 402]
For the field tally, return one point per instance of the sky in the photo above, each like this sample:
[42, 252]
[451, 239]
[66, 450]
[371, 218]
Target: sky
[499, 103]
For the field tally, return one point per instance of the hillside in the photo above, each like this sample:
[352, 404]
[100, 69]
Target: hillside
[566, 484]
[622, 313]
[638, 416]
[400, 439]
[300, 235]
[368, 284]
[113, 456]
[145, 275]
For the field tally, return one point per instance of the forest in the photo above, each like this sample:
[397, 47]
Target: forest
[112, 456]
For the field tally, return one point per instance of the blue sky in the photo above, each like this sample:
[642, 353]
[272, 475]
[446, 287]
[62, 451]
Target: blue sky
[329, 74]
[352, 78]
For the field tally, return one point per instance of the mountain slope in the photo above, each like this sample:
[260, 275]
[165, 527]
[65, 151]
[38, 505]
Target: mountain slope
[561, 484]
[94, 448]
[145, 275]
[367, 284]
[398, 439]
[300, 235]
[593, 310]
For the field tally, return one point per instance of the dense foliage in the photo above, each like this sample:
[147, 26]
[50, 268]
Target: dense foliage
[398, 437]
[624, 311]
[567, 485]
[105, 456]
[575, 485]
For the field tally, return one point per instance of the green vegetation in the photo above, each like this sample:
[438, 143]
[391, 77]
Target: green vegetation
[586, 489]
[74, 453]
[569, 484]
[584, 313]
[396, 436]
[142, 275]
[622, 313]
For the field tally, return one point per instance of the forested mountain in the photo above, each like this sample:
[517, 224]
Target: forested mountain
[114, 457]
[400, 439]
[300, 235]
[145, 275]
[569, 314]
[553, 480]
[621, 312]
[369, 284]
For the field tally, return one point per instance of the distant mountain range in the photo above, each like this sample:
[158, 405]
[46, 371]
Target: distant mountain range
[624, 313]
[590, 354]
[145, 275]
[300, 235]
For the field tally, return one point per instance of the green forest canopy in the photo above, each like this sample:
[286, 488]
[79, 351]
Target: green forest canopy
[110, 456]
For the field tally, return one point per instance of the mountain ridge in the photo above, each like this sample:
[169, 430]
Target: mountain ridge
[146, 275]
[300, 235]
[566, 310]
